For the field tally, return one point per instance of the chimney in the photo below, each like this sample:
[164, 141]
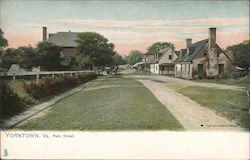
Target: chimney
[44, 34]
[212, 37]
[212, 70]
[188, 44]
[172, 46]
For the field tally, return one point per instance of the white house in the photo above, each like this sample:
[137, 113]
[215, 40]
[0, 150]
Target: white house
[163, 62]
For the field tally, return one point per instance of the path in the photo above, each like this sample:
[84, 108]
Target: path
[189, 113]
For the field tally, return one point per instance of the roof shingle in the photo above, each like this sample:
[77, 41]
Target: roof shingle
[193, 51]
[64, 39]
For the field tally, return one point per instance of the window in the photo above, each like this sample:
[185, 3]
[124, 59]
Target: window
[204, 52]
[170, 57]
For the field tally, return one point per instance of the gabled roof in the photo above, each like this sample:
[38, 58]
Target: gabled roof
[163, 51]
[64, 39]
[194, 49]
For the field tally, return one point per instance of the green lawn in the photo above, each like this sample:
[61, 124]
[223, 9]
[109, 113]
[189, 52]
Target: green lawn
[228, 103]
[243, 81]
[113, 103]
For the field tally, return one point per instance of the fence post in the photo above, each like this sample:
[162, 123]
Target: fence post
[37, 78]
[53, 76]
[70, 74]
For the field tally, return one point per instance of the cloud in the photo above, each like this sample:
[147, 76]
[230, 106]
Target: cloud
[157, 24]
[129, 35]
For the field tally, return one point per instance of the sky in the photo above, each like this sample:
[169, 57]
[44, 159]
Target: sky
[129, 24]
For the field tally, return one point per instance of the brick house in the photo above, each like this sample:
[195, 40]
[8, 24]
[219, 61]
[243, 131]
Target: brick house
[65, 40]
[204, 58]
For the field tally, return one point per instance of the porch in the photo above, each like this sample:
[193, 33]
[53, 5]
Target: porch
[167, 68]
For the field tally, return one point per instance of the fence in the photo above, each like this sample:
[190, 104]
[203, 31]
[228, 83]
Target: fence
[48, 73]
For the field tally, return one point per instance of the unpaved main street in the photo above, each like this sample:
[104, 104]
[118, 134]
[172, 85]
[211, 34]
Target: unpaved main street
[189, 113]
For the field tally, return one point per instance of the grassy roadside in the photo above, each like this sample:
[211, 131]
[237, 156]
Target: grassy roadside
[108, 104]
[227, 103]
[243, 81]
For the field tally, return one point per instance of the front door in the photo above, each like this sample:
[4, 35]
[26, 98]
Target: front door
[200, 69]
[221, 68]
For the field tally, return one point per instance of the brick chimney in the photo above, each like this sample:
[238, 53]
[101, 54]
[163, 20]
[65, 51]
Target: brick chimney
[44, 34]
[188, 44]
[212, 38]
[212, 54]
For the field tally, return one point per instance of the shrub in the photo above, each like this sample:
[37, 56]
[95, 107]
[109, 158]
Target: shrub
[11, 103]
[49, 87]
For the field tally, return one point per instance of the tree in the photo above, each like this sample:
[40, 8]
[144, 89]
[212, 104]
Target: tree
[241, 53]
[94, 50]
[9, 57]
[3, 41]
[118, 60]
[49, 56]
[3, 44]
[134, 57]
[156, 47]
[29, 58]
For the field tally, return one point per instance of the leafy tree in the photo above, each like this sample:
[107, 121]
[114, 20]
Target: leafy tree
[3, 41]
[118, 60]
[3, 44]
[9, 57]
[156, 47]
[241, 53]
[94, 50]
[49, 56]
[29, 58]
[134, 57]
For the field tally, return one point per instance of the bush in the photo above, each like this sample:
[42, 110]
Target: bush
[49, 87]
[11, 103]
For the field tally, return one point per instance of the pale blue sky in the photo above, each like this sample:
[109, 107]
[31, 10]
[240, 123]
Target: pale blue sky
[19, 16]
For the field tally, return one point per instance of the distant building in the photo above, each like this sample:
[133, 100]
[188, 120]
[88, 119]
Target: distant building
[65, 40]
[161, 62]
[204, 58]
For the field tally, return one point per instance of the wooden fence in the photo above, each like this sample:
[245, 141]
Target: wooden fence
[52, 73]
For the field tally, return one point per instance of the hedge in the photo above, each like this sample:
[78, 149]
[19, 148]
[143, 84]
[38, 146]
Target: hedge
[50, 87]
[11, 103]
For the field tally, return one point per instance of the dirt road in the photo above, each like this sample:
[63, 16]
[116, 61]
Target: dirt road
[189, 113]
[183, 82]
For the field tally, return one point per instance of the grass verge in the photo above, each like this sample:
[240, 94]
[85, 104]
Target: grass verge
[123, 104]
[227, 103]
[243, 81]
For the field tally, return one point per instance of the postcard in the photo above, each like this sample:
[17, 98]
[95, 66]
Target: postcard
[124, 79]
